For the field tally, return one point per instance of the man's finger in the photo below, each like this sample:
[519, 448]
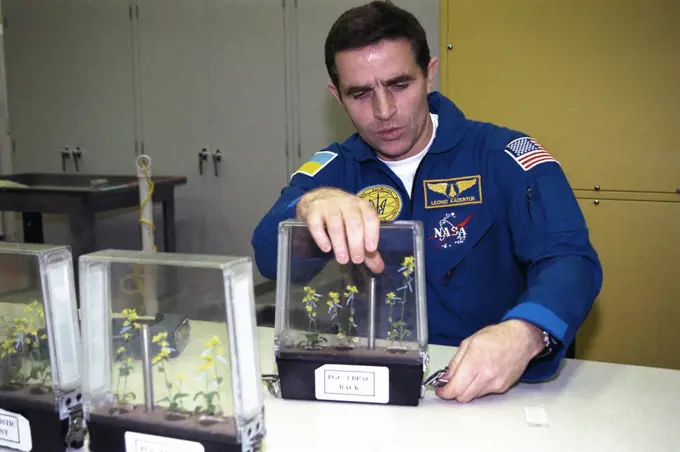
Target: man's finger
[457, 358]
[316, 226]
[354, 225]
[476, 388]
[460, 375]
[336, 231]
[371, 226]
[374, 262]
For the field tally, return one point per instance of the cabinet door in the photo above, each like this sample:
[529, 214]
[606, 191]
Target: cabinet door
[173, 72]
[99, 67]
[635, 318]
[246, 112]
[595, 81]
[321, 119]
[36, 42]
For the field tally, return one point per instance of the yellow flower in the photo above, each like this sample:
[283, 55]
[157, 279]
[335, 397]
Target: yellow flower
[180, 377]
[212, 342]
[160, 337]
[409, 263]
[120, 350]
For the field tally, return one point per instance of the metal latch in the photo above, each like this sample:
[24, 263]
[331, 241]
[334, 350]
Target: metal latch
[273, 384]
[75, 436]
[434, 381]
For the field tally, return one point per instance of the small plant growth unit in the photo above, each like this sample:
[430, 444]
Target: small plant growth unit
[40, 393]
[347, 332]
[161, 380]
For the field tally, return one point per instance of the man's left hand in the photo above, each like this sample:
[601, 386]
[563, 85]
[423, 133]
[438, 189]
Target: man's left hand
[491, 360]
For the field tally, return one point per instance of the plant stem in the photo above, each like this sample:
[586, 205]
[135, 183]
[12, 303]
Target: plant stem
[217, 378]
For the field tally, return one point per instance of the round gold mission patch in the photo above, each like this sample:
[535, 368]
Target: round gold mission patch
[385, 199]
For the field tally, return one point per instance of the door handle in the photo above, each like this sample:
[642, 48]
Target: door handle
[77, 154]
[65, 154]
[202, 157]
[217, 158]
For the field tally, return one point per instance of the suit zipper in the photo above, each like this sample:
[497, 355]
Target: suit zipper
[449, 273]
[529, 204]
[413, 184]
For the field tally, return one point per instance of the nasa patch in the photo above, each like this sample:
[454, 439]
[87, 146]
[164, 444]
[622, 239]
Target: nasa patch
[450, 231]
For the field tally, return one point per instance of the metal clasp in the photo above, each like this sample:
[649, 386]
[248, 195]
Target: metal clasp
[435, 380]
[273, 384]
[75, 437]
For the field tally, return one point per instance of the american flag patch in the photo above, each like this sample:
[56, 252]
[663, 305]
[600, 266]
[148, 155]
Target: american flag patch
[528, 153]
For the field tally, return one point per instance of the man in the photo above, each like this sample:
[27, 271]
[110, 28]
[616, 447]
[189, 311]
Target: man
[511, 273]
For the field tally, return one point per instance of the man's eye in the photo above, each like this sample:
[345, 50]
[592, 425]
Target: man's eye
[359, 95]
[401, 86]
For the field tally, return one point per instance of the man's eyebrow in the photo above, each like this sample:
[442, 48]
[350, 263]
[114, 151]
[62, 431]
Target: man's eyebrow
[392, 81]
[399, 79]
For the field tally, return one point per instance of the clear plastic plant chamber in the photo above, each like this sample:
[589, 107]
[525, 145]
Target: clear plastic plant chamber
[40, 382]
[350, 332]
[171, 354]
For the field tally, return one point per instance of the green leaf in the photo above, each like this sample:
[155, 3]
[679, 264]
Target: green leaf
[168, 385]
[198, 394]
[164, 399]
[132, 395]
[220, 380]
[180, 395]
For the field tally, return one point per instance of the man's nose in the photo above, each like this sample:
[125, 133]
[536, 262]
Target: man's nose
[384, 105]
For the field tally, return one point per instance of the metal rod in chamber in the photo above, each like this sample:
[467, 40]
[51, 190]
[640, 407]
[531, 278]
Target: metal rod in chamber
[146, 368]
[371, 314]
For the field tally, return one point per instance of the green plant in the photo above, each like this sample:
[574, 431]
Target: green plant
[211, 376]
[175, 401]
[313, 339]
[128, 331]
[397, 328]
[22, 348]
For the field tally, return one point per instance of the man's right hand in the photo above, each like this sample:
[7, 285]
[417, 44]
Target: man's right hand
[344, 223]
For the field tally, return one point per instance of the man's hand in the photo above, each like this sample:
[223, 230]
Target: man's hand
[491, 360]
[344, 223]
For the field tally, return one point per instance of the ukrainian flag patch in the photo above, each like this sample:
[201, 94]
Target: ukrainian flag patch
[316, 163]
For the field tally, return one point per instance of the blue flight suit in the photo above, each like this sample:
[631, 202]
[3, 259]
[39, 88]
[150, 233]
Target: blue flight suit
[505, 236]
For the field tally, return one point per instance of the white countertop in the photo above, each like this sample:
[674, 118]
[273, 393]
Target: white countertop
[590, 407]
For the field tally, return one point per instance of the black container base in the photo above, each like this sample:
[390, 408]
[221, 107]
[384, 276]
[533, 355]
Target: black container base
[108, 431]
[298, 377]
[48, 432]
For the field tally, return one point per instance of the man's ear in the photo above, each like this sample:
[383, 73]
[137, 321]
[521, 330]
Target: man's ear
[431, 72]
[334, 91]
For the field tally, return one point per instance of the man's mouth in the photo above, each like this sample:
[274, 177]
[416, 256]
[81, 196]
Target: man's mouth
[390, 133]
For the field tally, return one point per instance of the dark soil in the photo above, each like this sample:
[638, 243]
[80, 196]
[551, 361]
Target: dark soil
[216, 427]
[360, 353]
[33, 394]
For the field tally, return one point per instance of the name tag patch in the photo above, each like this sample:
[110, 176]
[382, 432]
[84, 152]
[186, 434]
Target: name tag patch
[456, 191]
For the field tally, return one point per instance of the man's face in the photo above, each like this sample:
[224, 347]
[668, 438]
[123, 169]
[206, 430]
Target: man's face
[385, 95]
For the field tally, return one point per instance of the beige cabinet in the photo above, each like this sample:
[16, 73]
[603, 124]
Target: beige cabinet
[597, 84]
[636, 318]
[595, 81]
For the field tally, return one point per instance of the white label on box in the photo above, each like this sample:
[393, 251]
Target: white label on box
[15, 431]
[347, 383]
[140, 442]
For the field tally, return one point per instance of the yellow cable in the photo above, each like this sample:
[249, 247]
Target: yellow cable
[136, 277]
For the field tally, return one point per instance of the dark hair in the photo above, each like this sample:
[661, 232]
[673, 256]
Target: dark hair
[370, 23]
